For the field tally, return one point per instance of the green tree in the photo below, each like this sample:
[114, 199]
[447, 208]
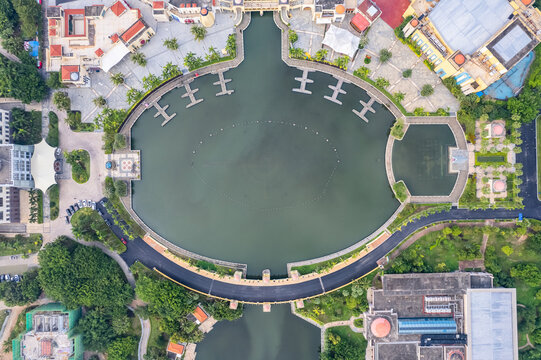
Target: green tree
[110, 119]
[21, 293]
[21, 81]
[171, 44]
[399, 96]
[151, 81]
[139, 59]
[296, 53]
[122, 348]
[293, 37]
[529, 273]
[8, 19]
[321, 54]
[407, 73]
[191, 61]
[62, 101]
[427, 90]
[120, 142]
[121, 188]
[117, 78]
[54, 81]
[342, 62]
[213, 54]
[78, 275]
[231, 45]
[100, 101]
[96, 329]
[385, 55]
[25, 126]
[109, 187]
[507, 250]
[526, 105]
[362, 72]
[170, 70]
[133, 96]
[29, 14]
[382, 82]
[199, 32]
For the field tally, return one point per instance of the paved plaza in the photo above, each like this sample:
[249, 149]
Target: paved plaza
[381, 36]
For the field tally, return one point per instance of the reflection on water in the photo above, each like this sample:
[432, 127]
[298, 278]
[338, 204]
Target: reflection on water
[278, 335]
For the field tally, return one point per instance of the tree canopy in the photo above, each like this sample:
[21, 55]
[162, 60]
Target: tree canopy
[24, 292]
[21, 81]
[78, 275]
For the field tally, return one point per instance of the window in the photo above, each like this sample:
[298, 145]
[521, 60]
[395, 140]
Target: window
[16, 153]
[433, 57]
[437, 62]
[27, 155]
[415, 37]
[428, 52]
[425, 46]
[15, 176]
[420, 42]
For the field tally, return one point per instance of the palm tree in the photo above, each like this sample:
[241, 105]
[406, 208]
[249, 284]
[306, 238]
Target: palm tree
[100, 101]
[198, 32]
[117, 78]
[139, 59]
[171, 44]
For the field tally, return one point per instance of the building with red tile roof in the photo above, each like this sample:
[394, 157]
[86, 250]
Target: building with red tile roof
[66, 72]
[158, 5]
[365, 14]
[55, 50]
[200, 315]
[118, 8]
[174, 349]
[99, 52]
[132, 31]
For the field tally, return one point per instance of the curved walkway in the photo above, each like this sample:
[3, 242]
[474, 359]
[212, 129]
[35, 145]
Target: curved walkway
[277, 292]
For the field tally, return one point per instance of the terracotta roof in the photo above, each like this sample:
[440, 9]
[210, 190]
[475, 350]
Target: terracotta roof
[132, 31]
[55, 50]
[380, 327]
[157, 5]
[359, 22]
[114, 38]
[369, 10]
[200, 314]
[175, 348]
[66, 71]
[99, 52]
[118, 8]
[52, 22]
[459, 59]
[52, 32]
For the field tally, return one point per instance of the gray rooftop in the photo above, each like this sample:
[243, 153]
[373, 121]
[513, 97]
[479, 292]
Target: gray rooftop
[5, 164]
[512, 44]
[466, 25]
[492, 315]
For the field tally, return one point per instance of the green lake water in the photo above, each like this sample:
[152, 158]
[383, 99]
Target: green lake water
[265, 176]
[421, 159]
[278, 335]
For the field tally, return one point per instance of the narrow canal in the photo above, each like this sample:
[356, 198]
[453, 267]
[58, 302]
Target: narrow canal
[265, 176]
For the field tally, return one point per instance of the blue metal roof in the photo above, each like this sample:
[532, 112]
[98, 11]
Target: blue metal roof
[427, 326]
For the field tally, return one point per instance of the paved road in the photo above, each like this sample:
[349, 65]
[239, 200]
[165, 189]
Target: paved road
[138, 250]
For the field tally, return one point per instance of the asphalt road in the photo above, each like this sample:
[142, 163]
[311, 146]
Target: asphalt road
[138, 250]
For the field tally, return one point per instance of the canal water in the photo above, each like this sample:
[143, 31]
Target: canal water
[265, 176]
[421, 159]
[278, 335]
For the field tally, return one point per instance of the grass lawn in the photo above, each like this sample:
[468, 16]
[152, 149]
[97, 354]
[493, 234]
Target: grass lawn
[52, 136]
[340, 304]
[400, 191]
[20, 244]
[88, 225]
[325, 265]
[412, 211]
[80, 165]
[156, 338]
[343, 343]
[76, 124]
[538, 137]
[54, 201]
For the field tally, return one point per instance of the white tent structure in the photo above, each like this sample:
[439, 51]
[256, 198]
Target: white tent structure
[113, 56]
[341, 41]
[42, 166]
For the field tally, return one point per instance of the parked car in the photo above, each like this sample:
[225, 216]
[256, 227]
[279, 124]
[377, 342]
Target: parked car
[2, 278]
[7, 277]
[16, 278]
[76, 206]
[39, 64]
[93, 205]
[107, 223]
[102, 202]
[68, 211]
[123, 241]
[100, 213]
[72, 208]
[80, 203]
[84, 203]
[67, 219]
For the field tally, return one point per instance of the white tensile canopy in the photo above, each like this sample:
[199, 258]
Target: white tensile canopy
[113, 56]
[42, 166]
[341, 41]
